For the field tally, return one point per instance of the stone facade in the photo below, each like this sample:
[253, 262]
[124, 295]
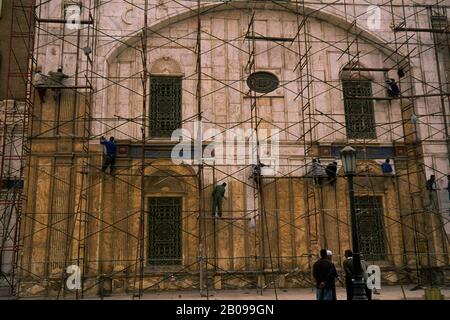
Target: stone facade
[281, 247]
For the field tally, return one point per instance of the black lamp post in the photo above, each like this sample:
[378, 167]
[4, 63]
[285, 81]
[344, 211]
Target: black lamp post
[348, 157]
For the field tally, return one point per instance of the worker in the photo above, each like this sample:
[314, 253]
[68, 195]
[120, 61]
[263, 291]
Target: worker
[256, 172]
[393, 89]
[40, 83]
[432, 188]
[331, 171]
[218, 195]
[110, 159]
[431, 183]
[317, 171]
[58, 77]
[57, 80]
[386, 168]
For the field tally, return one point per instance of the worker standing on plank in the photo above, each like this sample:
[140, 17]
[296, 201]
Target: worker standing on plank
[110, 159]
[218, 195]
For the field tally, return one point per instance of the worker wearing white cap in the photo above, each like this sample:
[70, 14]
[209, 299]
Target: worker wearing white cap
[335, 273]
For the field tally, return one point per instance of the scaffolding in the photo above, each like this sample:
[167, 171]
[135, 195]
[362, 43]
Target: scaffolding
[75, 169]
[15, 115]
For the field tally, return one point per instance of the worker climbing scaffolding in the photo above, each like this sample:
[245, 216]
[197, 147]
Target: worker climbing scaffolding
[218, 195]
[256, 173]
[110, 148]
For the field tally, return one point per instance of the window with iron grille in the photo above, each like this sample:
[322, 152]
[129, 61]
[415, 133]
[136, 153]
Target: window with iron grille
[164, 231]
[165, 109]
[359, 114]
[369, 217]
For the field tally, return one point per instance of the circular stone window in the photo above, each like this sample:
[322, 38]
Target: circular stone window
[263, 82]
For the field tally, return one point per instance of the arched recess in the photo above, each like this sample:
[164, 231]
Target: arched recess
[379, 220]
[163, 179]
[324, 14]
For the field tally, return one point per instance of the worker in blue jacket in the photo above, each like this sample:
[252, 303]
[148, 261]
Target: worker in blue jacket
[110, 159]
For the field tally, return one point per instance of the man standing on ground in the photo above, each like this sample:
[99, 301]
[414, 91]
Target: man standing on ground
[323, 273]
[335, 274]
[348, 270]
[350, 274]
[110, 159]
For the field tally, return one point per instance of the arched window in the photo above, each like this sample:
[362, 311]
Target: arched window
[359, 112]
[165, 97]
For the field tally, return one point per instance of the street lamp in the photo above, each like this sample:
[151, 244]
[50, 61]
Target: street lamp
[348, 157]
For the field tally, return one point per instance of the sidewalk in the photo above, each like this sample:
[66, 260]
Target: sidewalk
[386, 293]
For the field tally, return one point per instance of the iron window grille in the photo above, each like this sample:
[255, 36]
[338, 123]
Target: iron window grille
[164, 231]
[165, 109]
[359, 113]
[369, 217]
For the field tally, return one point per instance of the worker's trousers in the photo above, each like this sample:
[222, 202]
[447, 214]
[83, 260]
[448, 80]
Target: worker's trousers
[217, 207]
[110, 160]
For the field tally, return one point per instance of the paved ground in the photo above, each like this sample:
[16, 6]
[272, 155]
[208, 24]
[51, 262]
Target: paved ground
[387, 293]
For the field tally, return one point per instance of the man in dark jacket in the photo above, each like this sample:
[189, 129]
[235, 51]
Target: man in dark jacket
[218, 195]
[323, 272]
[350, 274]
[393, 89]
[110, 159]
[348, 270]
[331, 172]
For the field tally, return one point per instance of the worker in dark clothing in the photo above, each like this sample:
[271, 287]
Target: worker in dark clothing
[323, 272]
[110, 159]
[218, 195]
[57, 79]
[350, 274]
[331, 170]
[348, 270]
[256, 173]
[432, 192]
[393, 89]
[431, 183]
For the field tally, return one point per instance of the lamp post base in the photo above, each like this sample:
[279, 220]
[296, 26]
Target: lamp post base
[359, 289]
